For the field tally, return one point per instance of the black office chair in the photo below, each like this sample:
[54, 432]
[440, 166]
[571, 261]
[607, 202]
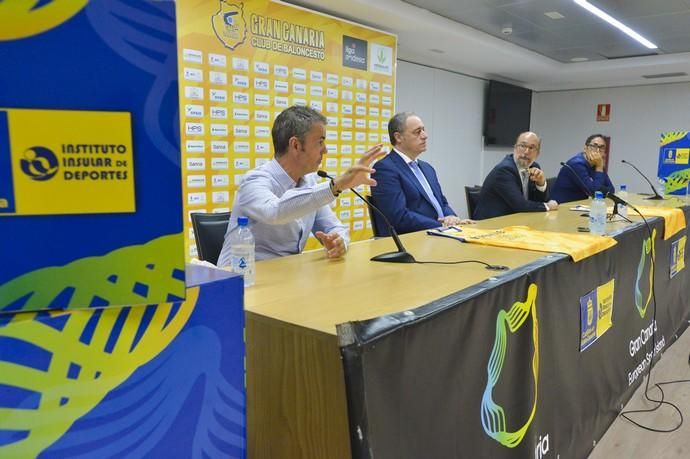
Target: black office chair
[472, 198]
[376, 222]
[550, 182]
[209, 234]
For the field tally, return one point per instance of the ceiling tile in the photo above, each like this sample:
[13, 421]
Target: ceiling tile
[565, 55]
[674, 44]
[490, 20]
[623, 9]
[534, 12]
[664, 25]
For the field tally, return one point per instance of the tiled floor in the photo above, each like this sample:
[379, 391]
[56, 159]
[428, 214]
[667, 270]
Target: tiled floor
[625, 440]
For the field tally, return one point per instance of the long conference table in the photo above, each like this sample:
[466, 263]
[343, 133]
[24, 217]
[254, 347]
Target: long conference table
[353, 358]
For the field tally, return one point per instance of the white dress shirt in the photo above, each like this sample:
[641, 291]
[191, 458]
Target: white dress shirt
[281, 212]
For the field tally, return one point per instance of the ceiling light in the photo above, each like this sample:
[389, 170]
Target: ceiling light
[579, 59]
[616, 23]
[554, 15]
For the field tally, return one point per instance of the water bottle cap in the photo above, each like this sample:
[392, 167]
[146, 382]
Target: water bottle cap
[242, 221]
[624, 187]
[598, 195]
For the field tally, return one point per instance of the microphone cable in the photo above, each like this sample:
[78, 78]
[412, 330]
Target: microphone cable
[659, 402]
[461, 240]
[486, 265]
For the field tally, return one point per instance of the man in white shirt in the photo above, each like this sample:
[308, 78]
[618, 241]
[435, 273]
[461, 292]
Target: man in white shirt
[282, 198]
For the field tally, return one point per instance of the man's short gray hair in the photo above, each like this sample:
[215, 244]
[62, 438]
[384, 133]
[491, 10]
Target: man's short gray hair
[397, 124]
[295, 121]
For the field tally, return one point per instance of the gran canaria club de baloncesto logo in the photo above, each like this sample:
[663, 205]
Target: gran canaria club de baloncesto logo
[229, 24]
[492, 414]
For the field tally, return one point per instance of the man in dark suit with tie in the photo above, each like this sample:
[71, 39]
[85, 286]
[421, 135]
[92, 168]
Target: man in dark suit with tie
[516, 184]
[408, 191]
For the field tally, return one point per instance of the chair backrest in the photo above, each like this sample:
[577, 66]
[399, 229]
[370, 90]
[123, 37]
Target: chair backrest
[209, 234]
[472, 197]
[550, 182]
[377, 223]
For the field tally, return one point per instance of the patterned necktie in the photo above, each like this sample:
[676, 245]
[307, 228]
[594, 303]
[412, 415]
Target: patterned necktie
[422, 181]
[524, 175]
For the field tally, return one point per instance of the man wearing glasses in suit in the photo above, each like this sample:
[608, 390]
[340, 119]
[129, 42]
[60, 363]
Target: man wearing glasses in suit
[516, 184]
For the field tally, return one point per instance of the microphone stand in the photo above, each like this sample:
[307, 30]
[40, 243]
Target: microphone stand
[399, 256]
[656, 196]
[615, 209]
[617, 200]
[583, 187]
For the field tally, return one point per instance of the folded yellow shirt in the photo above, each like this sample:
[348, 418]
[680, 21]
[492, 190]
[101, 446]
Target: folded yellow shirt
[578, 246]
[674, 218]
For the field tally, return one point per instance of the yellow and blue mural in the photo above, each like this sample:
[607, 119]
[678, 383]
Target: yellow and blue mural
[89, 155]
[157, 380]
[674, 167]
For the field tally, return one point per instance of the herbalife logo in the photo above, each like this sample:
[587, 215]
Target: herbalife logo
[381, 56]
[382, 59]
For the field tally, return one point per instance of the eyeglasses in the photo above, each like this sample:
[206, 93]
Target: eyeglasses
[524, 146]
[594, 146]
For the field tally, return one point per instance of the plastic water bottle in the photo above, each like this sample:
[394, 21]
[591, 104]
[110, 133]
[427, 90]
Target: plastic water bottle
[242, 251]
[623, 194]
[661, 187]
[597, 214]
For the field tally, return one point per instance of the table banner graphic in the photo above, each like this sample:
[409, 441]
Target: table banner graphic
[596, 312]
[677, 263]
[509, 368]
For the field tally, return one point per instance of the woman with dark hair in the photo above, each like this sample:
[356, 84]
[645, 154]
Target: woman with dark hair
[584, 173]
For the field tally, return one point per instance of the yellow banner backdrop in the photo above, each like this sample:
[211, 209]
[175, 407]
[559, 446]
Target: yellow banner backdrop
[242, 63]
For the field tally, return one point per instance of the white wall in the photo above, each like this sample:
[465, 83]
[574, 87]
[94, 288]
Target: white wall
[639, 115]
[452, 109]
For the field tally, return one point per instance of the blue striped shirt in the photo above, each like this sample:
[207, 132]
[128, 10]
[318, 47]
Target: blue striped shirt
[281, 212]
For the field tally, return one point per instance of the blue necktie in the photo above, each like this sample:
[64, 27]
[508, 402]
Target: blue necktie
[422, 180]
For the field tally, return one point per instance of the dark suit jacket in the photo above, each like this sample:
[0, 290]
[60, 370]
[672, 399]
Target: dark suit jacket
[401, 197]
[570, 188]
[502, 192]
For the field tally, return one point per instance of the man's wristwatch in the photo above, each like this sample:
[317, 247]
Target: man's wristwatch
[336, 192]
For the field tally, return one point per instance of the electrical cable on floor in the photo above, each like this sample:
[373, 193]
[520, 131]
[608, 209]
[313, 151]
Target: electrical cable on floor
[661, 401]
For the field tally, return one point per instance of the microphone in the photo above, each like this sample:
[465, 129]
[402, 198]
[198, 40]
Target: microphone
[401, 256]
[618, 200]
[656, 193]
[579, 180]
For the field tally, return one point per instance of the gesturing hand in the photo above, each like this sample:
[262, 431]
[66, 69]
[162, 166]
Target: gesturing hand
[333, 243]
[537, 176]
[359, 173]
